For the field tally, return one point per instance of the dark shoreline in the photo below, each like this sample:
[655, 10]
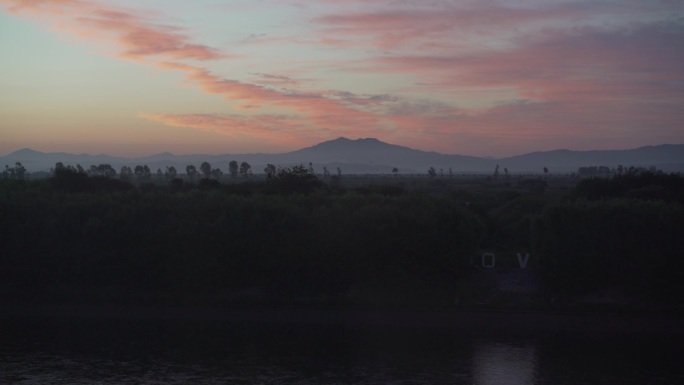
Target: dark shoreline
[481, 320]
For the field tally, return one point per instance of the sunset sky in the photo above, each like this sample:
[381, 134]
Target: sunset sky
[481, 77]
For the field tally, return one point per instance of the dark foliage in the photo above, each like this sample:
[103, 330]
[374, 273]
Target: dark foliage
[294, 239]
[128, 245]
[73, 180]
[209, 184]
[295, 180]
[619, 233]
[644, 186]
[586, 247]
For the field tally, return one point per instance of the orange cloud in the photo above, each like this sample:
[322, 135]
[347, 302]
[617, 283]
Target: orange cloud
[287, 130]
[166, 47]
[321, 109]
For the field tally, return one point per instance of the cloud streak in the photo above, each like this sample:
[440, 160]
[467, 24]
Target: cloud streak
[168, 49]
[138, 37]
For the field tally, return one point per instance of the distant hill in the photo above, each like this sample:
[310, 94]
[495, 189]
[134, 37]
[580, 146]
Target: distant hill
[666, 157]
[373, 156]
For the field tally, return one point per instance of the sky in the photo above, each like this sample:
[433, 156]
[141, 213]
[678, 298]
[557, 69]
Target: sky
[480, 77]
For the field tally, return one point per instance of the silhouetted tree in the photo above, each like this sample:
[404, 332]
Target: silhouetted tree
[107, 170]
[96, 179]
[216, 173]
[101, 170]
[233, 169]
[432, 172]
[395, 171]
[205, 169]
[170, 172]
[297, 179]
[142, 172]
[139, 171]
[19, 171]
[270, 171]
[191, 171]
[60, 168]
[126, 173]
[245, 169]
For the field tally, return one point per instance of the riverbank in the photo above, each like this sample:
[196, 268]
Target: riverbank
[485, 321]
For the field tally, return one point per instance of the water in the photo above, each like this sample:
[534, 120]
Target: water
[327, 350]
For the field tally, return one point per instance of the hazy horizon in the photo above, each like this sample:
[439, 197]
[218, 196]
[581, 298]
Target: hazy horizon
[477, 78]
[117, 155]
[372, 156]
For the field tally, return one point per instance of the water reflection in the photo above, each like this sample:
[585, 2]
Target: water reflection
[505, 364]
[84, 351]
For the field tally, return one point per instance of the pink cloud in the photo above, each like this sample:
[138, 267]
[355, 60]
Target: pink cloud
[273, 80]
[517, 127]
[321, 110]
[165, 46]
[616, 83]
[138, 37]
[606, 88]
[596, 65]
[437, 27]
[288, 130]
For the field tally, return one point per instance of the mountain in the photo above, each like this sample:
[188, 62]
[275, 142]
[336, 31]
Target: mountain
[369, 155]
[41, 161]
[666, 157]
[373, 153]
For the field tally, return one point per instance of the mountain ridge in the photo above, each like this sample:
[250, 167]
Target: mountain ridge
[370, 155]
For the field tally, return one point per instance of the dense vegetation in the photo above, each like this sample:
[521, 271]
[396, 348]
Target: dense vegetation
[294, 238]
[622, 233]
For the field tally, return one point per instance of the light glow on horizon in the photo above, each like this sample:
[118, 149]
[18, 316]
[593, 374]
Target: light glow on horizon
[459, 77]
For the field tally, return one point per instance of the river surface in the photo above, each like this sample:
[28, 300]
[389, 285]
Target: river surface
[335, 348]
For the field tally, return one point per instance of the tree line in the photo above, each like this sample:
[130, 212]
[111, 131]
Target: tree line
[144, 173]
[294, 237]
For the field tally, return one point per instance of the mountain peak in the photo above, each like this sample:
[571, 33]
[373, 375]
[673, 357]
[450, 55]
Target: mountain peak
[343, 142]
[370, 140]
[164, 154]
[24, 152]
